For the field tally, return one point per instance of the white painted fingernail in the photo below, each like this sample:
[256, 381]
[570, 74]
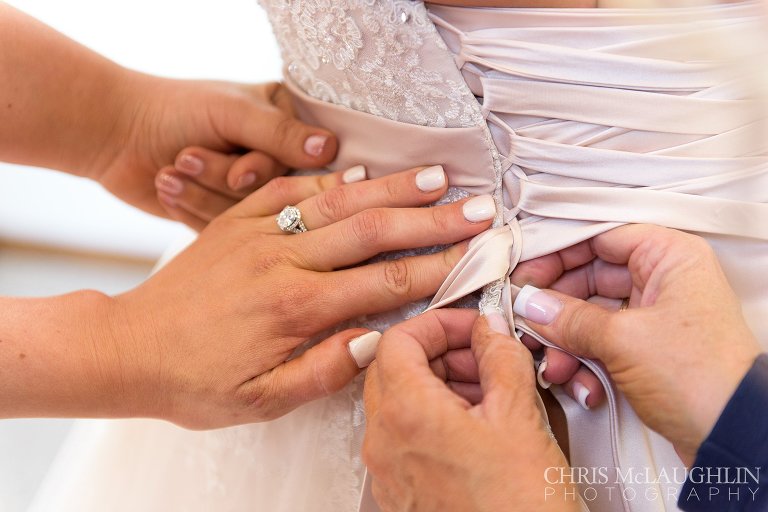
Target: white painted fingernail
[480, 209]
[354, 174]
[581, 393]
[544, 383]
[536, 305]
[315, 144]
[496, 321]
[431, 178]
[363, 348]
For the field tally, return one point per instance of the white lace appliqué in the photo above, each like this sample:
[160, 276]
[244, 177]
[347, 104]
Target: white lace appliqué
[368, 55]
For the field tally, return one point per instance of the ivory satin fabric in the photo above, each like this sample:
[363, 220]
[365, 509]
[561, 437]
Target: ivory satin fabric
[584, 120]
[602, 117]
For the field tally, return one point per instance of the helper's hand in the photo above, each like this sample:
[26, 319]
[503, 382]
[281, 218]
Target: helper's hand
[429, 448]
[680, 350]
[207, 341]
[252, 125]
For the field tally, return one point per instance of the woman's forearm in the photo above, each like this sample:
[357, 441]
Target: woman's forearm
[62, 106]
[62, 357]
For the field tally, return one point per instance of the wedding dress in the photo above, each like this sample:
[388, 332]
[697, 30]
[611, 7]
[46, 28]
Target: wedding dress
[577, 120]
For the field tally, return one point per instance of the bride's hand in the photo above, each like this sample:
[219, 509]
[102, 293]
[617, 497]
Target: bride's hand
[434, 447]
[206, 342]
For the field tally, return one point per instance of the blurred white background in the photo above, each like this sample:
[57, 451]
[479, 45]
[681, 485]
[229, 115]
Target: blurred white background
[59, 233]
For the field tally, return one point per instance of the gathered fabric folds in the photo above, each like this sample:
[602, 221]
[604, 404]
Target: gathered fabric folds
[597, 118]
[604, 117]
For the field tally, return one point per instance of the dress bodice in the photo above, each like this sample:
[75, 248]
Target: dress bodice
[577, 120]
[380, 57]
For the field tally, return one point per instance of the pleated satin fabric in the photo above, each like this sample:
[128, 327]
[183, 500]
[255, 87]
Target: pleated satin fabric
[602, 117]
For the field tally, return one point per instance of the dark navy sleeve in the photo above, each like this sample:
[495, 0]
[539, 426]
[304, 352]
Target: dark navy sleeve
[731, 468]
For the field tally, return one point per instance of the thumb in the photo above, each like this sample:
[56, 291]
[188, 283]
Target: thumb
[505, 366]
[288, 140]
[320, 371]
[572, 324]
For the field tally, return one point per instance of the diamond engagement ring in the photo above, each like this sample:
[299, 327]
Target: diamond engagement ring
[290, 221]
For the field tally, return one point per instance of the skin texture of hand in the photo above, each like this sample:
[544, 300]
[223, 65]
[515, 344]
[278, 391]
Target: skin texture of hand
[220, 322]
[680, 350]
[429, 448]
[207, 341]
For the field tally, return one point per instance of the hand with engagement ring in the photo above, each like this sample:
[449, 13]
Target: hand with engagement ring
[208, 341]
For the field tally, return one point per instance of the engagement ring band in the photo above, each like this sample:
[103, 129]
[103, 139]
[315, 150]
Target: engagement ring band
[290, 221]
[624, 305]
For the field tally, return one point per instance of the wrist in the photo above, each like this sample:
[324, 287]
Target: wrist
[134, 342]
[710, 398]
[121, 110]
[61, 358]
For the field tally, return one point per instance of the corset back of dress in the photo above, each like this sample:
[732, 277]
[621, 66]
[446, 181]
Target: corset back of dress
[578, 120]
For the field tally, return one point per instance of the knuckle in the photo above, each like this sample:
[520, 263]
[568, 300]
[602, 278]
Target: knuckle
[284, 130]
[261, 399]
[291, 302]
[278, 187]
[448, 260]
[333, 204]
[576, 324]
[369, 226]
[393, 189]
[397, 277]
[263, 260]
[440, 221]
[399, 421]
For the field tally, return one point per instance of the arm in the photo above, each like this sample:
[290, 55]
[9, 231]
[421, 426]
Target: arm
[58, 358]
[207, 341]
[64, 107]
[737, 443]
[61, 103]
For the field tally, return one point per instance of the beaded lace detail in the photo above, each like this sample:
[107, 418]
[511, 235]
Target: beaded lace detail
[368, 55]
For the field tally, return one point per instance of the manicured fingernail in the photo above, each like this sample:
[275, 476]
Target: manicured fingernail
[191, 165]
[431, 178]
[581, 393]
[544, 383]
[169, 184]
[363, 348]
[480, 209]
[246, 180]
[536, 305]
[354, 174]
[315, 144]
[496, 321]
